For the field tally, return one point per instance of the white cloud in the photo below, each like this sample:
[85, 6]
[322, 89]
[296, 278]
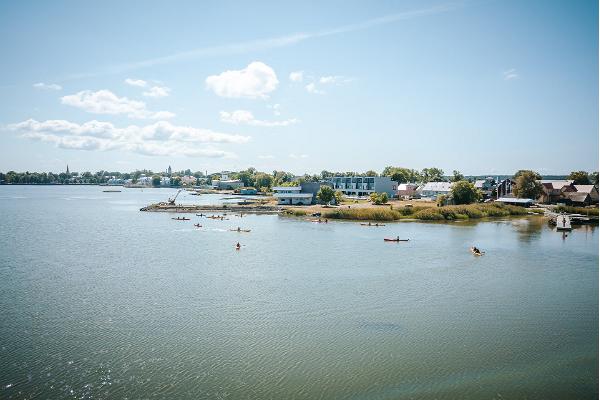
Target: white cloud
[266, 157]
[47, 86]
[106, 102]
[257, 80]
[297, 76]
[297, 156]
[331, 80]
[312, 88]
[275, 108]
[244, 117]
[157, 91]
[158, 139]
[510, 74]
[136, 82]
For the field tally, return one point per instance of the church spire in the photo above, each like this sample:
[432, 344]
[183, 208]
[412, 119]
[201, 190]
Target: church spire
[67, 169]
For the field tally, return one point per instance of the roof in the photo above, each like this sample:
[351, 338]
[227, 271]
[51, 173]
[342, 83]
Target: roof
[578, 197]
[585, 188]
[437, 186]
[514, 200]
[407, 186]
[293, 195]
[277, 188]
[555, 184]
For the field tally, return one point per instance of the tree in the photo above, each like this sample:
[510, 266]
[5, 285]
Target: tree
[464, 192]
[176, 181]
[263, 180]
[155, 180]
[339, 197]
[522, 171]
[457, 176]
[432, 175]
[325, 194]
[379, 198]
[371, 173]
[594, 178]
[527, 185]
[401, 175]
[579, 178]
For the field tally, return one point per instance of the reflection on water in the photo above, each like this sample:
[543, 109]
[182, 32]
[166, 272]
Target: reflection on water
[100, 300]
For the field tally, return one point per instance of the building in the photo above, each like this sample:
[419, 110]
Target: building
[407, 190]
[580, 199]
[115, 182]
[363, 185]
[228, 184]
[189, 180]
[248, 191]
[292, 195]
[435, 189]
[513, 201]
[504, 188]
[165, 181]
[486, 186]
[589, 189]
[553, 190]
[144, 180]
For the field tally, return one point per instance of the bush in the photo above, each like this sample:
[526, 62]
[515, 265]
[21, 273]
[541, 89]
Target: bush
[363, 214]
[296, 213]
[429, 214]
[379, 198]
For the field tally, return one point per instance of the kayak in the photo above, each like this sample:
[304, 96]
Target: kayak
[363, 224]
[395, 240]
[198, 225]
[181, 219]
[476, 253]
[241, 230]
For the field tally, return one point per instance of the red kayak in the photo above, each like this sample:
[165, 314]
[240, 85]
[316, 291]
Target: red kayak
[395, 240]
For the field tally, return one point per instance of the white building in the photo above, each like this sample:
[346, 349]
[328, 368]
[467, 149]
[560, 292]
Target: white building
[165, 181]
[188, 180]
[145, 180]
[435, 189]
[291, 195]
[229, 184]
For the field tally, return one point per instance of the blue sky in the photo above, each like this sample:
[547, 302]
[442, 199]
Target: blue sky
[478, 86]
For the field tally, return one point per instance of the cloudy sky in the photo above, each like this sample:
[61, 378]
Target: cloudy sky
[478, 86]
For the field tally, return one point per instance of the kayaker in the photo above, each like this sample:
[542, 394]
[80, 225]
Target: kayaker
[238, 246]
[238, 229]
[398, 238]
[476, 250]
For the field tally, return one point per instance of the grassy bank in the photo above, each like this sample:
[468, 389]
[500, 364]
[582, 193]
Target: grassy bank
[446, 213]
[577, 210]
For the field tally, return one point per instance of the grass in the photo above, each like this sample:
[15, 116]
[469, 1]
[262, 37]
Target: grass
[446, 213]
[296, 212]
[577, 210]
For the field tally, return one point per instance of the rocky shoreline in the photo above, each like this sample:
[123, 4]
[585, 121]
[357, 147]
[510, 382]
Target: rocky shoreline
[181, 208]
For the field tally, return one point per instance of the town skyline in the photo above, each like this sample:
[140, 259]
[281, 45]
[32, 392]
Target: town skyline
[351, 87]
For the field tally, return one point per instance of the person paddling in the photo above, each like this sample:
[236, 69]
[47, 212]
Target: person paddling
[238, 246]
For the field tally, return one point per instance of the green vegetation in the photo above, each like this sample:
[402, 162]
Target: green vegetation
[579, 177]
[577, 210]
[296, 212]
[379, 198]
[527, 186]
[464, 192]
[457, 176]
[339, 197]
[155, 180]
[446, 213]
[404, 175]
[325, 194]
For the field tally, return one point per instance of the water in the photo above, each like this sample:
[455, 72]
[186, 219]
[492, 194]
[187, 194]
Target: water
[99, 300]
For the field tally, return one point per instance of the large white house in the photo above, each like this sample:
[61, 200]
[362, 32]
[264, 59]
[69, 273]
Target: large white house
[292, 195]
[435, 189]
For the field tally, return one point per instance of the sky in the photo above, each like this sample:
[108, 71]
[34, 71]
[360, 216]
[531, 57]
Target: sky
[483, 87]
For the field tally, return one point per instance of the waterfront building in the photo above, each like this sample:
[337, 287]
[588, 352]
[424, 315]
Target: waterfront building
[189, 180]
[292, 195]
[553, 190]
[364, 185]
[504, 188]
[486, 186]
[165, 181]
[144, 180]
[434, 189]
[513, 201]
[589, 189]
[229, 184]
[407, 190]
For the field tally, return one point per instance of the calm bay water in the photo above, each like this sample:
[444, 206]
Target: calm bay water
[99, 300]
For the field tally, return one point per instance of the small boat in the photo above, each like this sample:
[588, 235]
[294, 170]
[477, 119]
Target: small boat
[476, 253]
[395, 240]
[369, 224]
[240, 230]
[181, 219]
[198, 225]
[111, 191]
[200, 215]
